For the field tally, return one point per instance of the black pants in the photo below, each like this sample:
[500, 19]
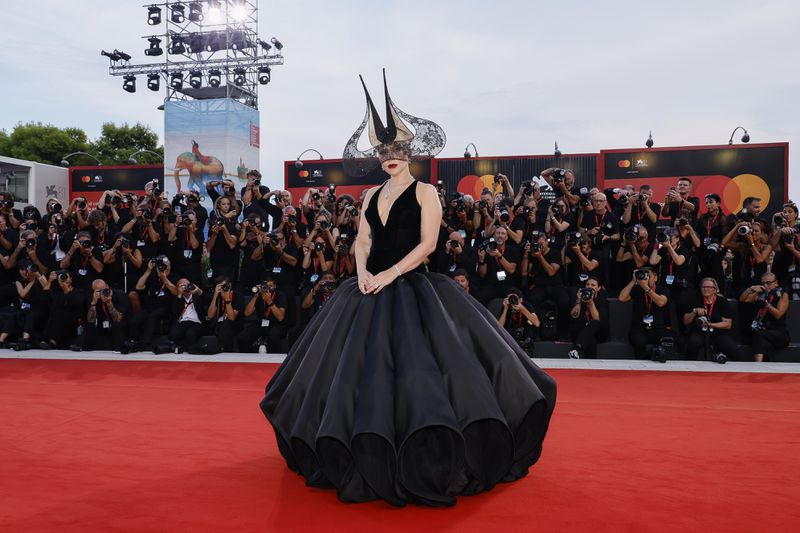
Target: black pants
[640, 337]
[720, 342]
[185, 333]
[96, 337]
[24, 322]
[586, 335]
[61, 327]
[768, 340]
[560, 297]
[225, 331]
[274, 333]
[145, 325]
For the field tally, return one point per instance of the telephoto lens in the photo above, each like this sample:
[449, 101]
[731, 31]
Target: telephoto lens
[513, 299]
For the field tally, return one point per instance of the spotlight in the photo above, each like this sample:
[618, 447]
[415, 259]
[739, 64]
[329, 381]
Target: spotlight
[178, 14]
[212, 41]
[176, 81]
[239, 12]
[214, 77]
[238, 40]
[153, 82]
[155, 47]
[265, 45]
[177, 45]
[153, 15]
[196, 43]
[277, 44]
[196, 12]
[195, 79]
[467, 155]
[649, 142]
[113, 56]
[263, 75]
[122, 55]
[129, 83]
[557, 152]
[215, 15]
[745, 137]
[239, 76]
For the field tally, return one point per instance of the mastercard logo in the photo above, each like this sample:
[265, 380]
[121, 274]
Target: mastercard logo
[86, 179]
[625, 163]
[303, 173]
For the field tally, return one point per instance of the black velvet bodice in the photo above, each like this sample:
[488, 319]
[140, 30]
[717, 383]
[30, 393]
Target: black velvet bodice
[401, 234]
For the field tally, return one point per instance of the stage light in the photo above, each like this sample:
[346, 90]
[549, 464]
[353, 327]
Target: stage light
[214, 77]
[122, 55]
[467, 155]
[113, 56]
[178, 14]
[277, 44]
[745, 137]
[177, 45]
[196, 43]
[238, 40]
[215, 15]
[195, 79]
[265, 45]
[153, 82]
[649, 141]
[153, 15]
[133, 161]
[299, 164]
[196, 12]
[238, 12]
[557, 152]
[65, 162]
[264, 75]
[129, 83]
[176, 81]
[155, 47]
[213, 41]
[239, 76]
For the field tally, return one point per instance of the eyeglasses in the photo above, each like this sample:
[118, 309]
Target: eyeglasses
[708, 287]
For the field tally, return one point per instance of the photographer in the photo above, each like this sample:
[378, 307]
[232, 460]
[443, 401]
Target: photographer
[65, 309]
[456, 255]
[784, 240]
[189, 309]
[638, 210]
[712, 225]
[679, 200]
[156, 289]
[254, 195]
[317, 258]
[481, 217]
[142, 230]
[633, 254]
[769, 322]
[275, 210]
[589, 324]
[250, 240]
[530, 191]
[223, 312]
[583, 261]
[222, 242]
[346, 215]
[563, 183]
[98, 229]
[344, 262]
[671, 259]
[55, 241]
[8, 236]
[186, 241]
[542, 278]
[228, 190]
[649, 315]
[311, 204]
[521, 322]
[320, 292]
[600, 225]
[558, 220]
[460, 276]
[751, 210]
[281, 260]
[265, 314]
[12, 216]
[27, 250]
[83, 261]
[104, 327]
[503, 215]
[123, 262]
[751, 255]
[295, 231]
[29, 310]
[711, 323]
[78, 212]
[454, 217]
[497, 263]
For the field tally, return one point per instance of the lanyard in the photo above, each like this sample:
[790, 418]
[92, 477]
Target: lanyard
[648, 303]
[709, 222]
[101, 238]
[105, 311]
[84, 262]
[710, 309]
[267, 310]
[598, 221]
[763, 310]
[502, 251]
[186, 306]
[188, 238]
[586, 312]
[516, 316]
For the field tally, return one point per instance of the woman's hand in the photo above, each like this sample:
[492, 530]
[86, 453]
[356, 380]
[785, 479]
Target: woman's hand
[365, 281]
[382, 280]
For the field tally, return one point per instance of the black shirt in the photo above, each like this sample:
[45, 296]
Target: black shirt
[538, 276]
[716, 311]
[645, 314]
[512, 255]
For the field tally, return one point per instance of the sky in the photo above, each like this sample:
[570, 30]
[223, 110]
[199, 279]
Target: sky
[511, 77]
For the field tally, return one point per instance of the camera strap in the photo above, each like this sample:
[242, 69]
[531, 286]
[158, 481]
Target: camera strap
[710, 309]
[763, 311]
[710, 222]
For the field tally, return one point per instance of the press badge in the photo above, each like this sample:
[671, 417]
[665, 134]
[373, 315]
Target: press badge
[276, 270]
[501, 275]
[160, 294]
[314, 278]
[82, 272]
[670, 279]
[187, 254]
[791, 268]
[264, 322]
[220, 319]
[453, 267]
[210, 273]
[139, 243]
[583, 277]
[106, 324]
[25, 306]
[648, 321]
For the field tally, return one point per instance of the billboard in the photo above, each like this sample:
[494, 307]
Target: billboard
[91, 182]
[733, 172]
[208, 140]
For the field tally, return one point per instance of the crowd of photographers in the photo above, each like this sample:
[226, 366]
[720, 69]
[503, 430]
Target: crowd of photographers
[152, 273]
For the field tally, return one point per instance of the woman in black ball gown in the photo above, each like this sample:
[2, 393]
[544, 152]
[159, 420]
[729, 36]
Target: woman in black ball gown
[404, 387]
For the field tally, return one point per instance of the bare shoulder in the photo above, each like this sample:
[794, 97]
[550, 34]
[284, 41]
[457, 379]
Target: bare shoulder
[368, 196]
[426, 191]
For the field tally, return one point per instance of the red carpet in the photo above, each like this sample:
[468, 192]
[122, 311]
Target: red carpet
[133, 446]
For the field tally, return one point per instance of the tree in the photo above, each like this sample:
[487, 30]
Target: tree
[116, 144]
[3, 142]
[35, 141]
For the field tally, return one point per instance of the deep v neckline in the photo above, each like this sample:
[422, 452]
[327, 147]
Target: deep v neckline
[389, 211]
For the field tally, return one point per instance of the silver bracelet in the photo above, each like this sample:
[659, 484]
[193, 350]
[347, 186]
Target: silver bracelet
[398, 270]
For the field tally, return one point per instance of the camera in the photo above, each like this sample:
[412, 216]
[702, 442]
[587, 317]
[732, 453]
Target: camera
[778, 220]
[483, 204]
[291, 219]
[536, 247]
[57, 207]
[315, 196]
[682, 221]
[86, 244]
[504, 216]
[190, 287]
[273, 239]
[789, 237]
[156, 190]
[641, 198]
[116, 200]
[574, 238]
[106, 292]
[30, 243]
[63, 275]
[498, 178]
[81, 204]
[624, 199]
[491, 245]
[226, 286]
[661, 237]
[343, 244]
[160, 264]
[641, 275]
[585, 200]
[319, 247]
[125, 243]
[439, 185]
[702, 323]
[744, 230]
[261, 288]
[147, 215]
[454, 244]
[528, 188]
[632, 234]
[186, 221]
[327, 286]
[513, 299]
[713, 248]
[324, 224]
[351, 210]
[558, 175]
[586, 294]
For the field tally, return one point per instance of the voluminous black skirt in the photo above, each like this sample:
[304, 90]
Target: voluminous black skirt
[415, 394]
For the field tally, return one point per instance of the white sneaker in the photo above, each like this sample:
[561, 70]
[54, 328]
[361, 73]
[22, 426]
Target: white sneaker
[574, 354]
